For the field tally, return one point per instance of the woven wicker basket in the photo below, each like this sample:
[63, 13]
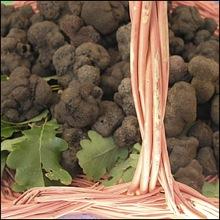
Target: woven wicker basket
[111, 202]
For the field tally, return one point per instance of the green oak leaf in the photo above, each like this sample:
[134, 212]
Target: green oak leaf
[18, 188]
[128, 174]
[37, 153]
[124, 169]
[98, 155]
[116, 173]
[133, 159]
[137, 148]
[122, 154]
[211, 189]
[11, 144]
[7, 130]
[3, 161]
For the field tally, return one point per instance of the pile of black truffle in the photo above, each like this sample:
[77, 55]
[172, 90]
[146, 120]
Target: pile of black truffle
[86, 44]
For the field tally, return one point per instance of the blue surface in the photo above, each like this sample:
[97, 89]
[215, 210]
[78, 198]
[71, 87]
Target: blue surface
[79, 216]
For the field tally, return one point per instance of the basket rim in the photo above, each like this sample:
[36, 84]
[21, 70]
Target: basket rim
[31, 196]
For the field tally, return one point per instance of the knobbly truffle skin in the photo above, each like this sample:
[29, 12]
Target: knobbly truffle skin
[49, 9]
[201, 36]
[210, 25]
[128, 134]
[205, 73]
[70, 24]
[186, 21]
[75, 7]
[178, 69]
[209, 49]
[6, 10]
[124, 97]
[88, 73]
[44, 34]
[113, 76]
[36, 18]
[72, 27]
[24, 96]
[85, 34]
[15, 51]
[207, 160]
[69, 161]
[191, 175]
[188, 51]
[215, 110]
[15, 18]
[91, 53]
[182, 151]
[46, 37]
[216, 146]
[123, 38]
[111, 13]
[202, 132]
[63, 59]
[181, 108]
[111, 116]
[176, 45]
[71, 63]
[79, 104]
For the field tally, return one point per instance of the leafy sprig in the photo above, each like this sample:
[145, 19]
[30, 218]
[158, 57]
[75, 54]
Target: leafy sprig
[123, 170]
[98, 155]
[35, 154]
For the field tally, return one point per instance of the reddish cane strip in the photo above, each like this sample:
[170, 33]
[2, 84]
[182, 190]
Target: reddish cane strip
[143, 49]
[148, 140]
[157, 117]
[136, 13]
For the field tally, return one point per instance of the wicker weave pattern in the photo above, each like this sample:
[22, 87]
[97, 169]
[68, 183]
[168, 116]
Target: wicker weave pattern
[112, 202]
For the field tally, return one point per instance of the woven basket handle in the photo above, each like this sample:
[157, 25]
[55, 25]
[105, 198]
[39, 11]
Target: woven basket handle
[149, 64]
